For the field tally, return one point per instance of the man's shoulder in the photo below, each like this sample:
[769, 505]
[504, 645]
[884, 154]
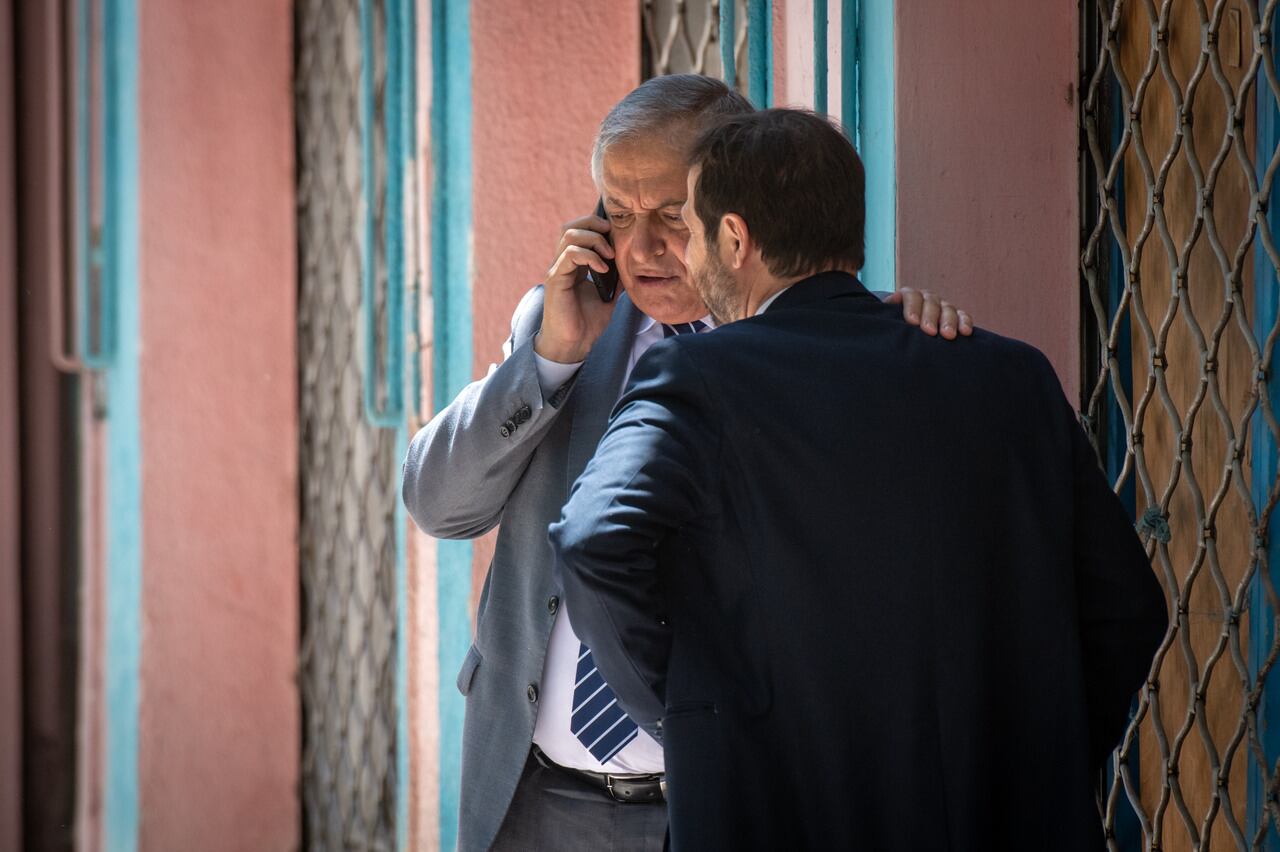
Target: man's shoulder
[1010, 350]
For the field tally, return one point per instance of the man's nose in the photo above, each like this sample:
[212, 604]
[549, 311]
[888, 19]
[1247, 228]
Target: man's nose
[647, 243]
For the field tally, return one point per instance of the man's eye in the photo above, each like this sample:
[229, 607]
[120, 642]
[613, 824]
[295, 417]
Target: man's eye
[674, 218]
[619, 218]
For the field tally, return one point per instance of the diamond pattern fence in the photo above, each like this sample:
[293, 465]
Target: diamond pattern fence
[1179, 137]
[682, 37]
[349, 468]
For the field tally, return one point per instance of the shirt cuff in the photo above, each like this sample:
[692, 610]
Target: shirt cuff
[553, 374]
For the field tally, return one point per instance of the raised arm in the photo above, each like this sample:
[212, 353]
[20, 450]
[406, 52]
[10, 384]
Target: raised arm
[462, 466]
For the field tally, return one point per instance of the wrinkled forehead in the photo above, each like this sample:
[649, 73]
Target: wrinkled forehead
[649, 173]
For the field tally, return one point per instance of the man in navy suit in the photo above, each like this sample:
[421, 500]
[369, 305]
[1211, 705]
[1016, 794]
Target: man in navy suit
[743, 553]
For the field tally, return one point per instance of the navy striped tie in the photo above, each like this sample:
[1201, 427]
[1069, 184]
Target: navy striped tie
[598, 722]
[683, 328]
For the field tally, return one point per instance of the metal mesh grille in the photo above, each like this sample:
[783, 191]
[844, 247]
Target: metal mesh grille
[682, 37]
[348, 468]
[1177, 230]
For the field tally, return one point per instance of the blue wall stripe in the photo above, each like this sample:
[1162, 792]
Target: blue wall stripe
[820, 56]
[123, 461]
[768, 56]
[451, 369]
[759, 51]
[1261, 617]
[849, 52]
[877, 135]
[728, 24]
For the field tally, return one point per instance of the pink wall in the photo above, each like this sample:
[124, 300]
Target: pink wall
[544, 75]
[10, 589]
[987, 182]
[219, 753]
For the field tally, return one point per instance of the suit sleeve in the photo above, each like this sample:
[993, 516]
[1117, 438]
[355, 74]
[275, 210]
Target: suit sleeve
[461, 467]
[1122, 609]
[649, 477]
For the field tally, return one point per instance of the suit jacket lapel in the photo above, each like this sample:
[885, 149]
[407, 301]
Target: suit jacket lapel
[598, 385]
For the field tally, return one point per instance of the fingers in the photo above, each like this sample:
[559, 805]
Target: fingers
[586, 238]
[587, 223]
[571, 260]
[950, 321]
[911, 300]
[932, 313]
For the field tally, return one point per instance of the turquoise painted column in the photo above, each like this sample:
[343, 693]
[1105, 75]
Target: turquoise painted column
[728, 25]
[123, 429]
[451, 368]
[875, 129]
[820, 24]
[760, 52]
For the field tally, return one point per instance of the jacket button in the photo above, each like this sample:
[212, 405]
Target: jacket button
[553, 604]
[532, 692]
[505, 431]
[523, 415]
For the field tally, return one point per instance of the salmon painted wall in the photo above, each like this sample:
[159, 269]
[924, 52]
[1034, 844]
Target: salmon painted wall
[543, 76]
[219, 718]
[988, 212]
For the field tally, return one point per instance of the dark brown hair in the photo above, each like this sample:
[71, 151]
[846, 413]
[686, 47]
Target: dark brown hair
[796, 181]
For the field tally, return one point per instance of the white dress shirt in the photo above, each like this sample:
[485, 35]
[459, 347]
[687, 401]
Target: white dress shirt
[555, 705]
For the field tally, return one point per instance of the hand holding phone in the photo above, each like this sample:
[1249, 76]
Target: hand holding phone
[606, 282]
[575, 312]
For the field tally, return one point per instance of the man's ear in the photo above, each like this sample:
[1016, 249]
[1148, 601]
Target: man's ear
[735, 237]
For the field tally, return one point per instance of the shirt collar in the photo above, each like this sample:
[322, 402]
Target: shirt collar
[647, 322]
[769, 301]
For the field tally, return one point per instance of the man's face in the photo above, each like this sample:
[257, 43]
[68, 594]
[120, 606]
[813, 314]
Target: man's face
[643, 183]
[712, 278]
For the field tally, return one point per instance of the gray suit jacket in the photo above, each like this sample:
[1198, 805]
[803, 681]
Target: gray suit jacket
[466, 471]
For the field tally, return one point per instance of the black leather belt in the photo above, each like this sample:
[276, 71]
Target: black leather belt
[629, 789]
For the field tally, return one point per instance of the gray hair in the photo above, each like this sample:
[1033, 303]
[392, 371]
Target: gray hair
[674, 108]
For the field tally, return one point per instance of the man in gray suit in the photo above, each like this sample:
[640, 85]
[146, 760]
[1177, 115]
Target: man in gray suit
[550, 761]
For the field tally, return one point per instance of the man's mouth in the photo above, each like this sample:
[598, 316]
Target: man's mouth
[650, 280]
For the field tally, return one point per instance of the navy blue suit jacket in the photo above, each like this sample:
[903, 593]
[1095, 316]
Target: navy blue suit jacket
[869, 587]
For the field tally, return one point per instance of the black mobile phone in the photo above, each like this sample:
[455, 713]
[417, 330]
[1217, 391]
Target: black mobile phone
[606, 283]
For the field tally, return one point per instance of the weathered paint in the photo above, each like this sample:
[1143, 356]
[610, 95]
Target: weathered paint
[988, 209]
[219, 758]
